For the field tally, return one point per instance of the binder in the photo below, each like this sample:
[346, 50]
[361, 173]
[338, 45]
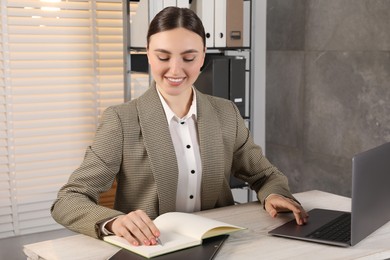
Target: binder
[220, 23]
[139, 25]
[214, 78]
[245, 54]
[146, 11]
[224, 77]
[205, 10]
[155, 6]
[167, 3]
[247, 24]
[183, 3]
[237, 83]
[234, 23]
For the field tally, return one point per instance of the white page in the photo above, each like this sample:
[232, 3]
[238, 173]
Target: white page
[190, 224]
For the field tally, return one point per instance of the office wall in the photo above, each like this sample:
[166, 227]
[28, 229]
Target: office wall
[327, 87]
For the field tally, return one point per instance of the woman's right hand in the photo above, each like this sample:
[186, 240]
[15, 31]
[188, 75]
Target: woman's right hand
[136, 227]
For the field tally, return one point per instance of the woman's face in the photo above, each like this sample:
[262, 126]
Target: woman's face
[175, 59]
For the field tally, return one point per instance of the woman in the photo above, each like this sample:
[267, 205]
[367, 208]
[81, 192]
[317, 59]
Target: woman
[172, 149]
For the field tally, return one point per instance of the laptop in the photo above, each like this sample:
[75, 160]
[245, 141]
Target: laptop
[370, 205]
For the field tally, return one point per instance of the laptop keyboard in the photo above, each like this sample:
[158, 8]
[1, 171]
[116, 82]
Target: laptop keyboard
[338, 230]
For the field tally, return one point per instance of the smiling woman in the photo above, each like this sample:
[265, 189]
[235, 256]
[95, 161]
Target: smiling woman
[172, 149]
[175, 59]
[176, 51]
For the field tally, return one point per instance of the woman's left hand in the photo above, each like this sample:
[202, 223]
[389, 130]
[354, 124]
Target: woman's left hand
[277, 203]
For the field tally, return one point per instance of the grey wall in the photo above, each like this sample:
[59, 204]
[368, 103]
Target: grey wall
[327, 87]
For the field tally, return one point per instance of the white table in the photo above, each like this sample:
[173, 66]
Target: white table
[252, 243]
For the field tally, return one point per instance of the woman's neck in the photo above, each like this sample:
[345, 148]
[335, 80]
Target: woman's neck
[180, 105]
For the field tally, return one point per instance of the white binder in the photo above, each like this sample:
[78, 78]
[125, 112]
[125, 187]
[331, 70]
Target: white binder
[183, 3]
[139, 25]
[169, 3]
[155, 6]
[146, 11]
[220, 23]
[205, 10]
[247, 24]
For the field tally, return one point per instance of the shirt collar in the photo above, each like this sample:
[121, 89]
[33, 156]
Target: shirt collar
[169, 113]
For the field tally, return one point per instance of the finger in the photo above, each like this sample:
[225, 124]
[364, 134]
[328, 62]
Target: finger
[271, 210]
[299, 213]
[303, 216]
[138, 229]
[146, 226]
[124, 232]
[279, 203]
[152, 227]
[274, 204]
[124, 226]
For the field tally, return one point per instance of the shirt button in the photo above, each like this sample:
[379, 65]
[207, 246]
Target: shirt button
[192, 171]
[182, 122]
[188, 146]
[191, 196]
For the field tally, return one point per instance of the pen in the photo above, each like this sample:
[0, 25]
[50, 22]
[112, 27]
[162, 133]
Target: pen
[159, 241]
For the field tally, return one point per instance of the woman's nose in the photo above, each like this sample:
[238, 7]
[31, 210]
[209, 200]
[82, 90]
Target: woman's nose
[175, 66]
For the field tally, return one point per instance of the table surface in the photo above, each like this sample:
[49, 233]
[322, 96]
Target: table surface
[252, 243]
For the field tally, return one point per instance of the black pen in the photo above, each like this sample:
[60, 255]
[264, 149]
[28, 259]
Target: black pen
[159, 241]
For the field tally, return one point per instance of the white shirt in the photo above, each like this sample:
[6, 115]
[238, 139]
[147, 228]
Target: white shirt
[185, 140]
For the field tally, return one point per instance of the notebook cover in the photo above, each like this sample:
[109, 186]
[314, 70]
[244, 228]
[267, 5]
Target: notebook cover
[206, 251]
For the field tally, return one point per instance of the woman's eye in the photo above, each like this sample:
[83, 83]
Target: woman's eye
[189, 59]
[163, 58]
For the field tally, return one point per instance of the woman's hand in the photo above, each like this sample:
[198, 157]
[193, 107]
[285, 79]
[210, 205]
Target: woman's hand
[277, 203]
[136, 227]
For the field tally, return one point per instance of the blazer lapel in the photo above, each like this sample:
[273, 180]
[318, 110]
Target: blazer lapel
[160, 148]
[211, 150]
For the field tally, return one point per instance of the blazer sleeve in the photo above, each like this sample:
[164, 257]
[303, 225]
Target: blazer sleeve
[76, 206]
[250, 165]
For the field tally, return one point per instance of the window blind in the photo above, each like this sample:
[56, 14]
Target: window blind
[61, 65]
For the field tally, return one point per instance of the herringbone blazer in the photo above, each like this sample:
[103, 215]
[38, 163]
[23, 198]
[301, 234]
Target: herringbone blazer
[133, 144]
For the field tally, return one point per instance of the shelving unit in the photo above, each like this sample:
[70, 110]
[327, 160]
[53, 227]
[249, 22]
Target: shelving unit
[137, 80]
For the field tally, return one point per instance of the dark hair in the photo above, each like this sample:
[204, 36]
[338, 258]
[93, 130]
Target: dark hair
[174, 17]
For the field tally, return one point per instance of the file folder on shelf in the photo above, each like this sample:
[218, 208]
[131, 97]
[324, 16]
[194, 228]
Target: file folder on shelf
[223, 21]
[205, 10]
[146, 11]
[224, 77]
[247, 24]
[237, 83]
[183, 3]
[214, 78]
[167, 3]
[139, 25]
[220, 20]
[234, 23]
[155, 6]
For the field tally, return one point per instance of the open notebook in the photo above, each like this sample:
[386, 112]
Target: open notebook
[178, 231]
